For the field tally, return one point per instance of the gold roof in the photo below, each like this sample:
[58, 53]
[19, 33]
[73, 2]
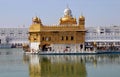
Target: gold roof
[82, 17]
[36, 20]
[35, 28]
[68, 19]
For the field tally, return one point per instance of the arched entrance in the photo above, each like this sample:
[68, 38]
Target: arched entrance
[45, 47]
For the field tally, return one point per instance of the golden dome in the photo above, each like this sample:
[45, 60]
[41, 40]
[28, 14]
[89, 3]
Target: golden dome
[82, 17]
[36, 20]
[67, 20]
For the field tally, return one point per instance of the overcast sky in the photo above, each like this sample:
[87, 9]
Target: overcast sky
[18, 13]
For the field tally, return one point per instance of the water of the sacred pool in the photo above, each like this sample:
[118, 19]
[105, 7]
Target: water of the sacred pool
[14, 63]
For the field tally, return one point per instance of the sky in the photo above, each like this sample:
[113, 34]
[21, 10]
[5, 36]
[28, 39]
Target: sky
[19, 13]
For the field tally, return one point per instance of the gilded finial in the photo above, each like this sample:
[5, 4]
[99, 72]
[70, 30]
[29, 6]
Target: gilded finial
[67, 6]
[82, 17]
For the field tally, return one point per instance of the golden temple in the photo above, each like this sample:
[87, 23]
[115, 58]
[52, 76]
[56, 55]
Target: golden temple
[69, 31]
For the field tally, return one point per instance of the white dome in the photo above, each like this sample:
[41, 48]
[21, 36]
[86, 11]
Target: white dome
[67, 12]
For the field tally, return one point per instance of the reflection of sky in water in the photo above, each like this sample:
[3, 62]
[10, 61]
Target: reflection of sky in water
[13, 63]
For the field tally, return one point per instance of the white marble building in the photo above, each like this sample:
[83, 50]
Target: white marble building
[104, 35]
[14, 35]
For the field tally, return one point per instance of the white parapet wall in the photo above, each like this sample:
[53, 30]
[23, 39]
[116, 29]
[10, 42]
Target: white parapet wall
[67, 47]
[34, 47]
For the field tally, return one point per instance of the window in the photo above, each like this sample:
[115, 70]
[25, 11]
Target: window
[19, 33]
[62, 38]
[42, 38]
[11, 34]
[72, 38]
[66, 37]
[35, 39]
[2, 34]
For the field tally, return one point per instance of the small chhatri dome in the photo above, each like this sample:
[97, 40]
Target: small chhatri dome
[81, 17]
[36, 20]
[81, 20]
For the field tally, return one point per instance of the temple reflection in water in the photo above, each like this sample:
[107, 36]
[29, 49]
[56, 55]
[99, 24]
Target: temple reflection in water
[66, 65]
[55, 66]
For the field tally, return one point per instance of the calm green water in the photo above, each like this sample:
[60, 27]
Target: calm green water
[13, 63]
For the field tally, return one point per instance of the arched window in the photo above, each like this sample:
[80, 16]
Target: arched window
[72, 38]
[35, 39]
[42, 38]
[66, 37]
[62, 38]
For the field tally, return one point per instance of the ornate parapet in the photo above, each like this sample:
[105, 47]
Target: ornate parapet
[62, 28]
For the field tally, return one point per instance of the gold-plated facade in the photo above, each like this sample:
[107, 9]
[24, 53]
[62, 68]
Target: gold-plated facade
[67, 32]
